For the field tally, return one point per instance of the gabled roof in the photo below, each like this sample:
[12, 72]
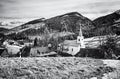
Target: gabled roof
[71, 43]
[40, 49]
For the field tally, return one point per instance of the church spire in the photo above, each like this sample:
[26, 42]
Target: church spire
[80, 32]
[80, 38]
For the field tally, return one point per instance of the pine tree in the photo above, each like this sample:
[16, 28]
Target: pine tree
[35, 42]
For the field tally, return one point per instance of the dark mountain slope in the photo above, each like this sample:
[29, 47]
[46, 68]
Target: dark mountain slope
[107, 20]
[69, 22]
[108, 24]
[3, 30]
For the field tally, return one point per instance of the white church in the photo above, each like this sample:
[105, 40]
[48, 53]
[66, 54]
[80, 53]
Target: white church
[72, 47]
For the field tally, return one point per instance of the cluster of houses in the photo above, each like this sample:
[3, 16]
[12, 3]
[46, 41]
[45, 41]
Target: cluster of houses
[79, 47]
[14, 48]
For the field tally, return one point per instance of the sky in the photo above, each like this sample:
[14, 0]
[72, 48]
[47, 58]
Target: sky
[50, 8]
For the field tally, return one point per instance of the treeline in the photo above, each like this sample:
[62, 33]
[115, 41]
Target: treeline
[53, 41]
[17, 36]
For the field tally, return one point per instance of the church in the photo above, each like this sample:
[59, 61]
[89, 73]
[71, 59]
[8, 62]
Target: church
[72, 47]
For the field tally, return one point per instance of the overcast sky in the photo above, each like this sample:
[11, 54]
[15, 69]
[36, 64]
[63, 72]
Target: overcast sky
[50, 8]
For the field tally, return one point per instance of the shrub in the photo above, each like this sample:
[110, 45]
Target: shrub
[109, 47]
[35, 42]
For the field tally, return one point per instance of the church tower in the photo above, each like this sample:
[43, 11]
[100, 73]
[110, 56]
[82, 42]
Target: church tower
[80, 39]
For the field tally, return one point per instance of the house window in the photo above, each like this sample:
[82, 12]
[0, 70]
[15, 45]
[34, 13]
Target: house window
[66, 49]
[72, 49]
[38, 52]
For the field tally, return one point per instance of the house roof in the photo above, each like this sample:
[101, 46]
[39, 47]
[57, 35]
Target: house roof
[40, 49]
[71, 43]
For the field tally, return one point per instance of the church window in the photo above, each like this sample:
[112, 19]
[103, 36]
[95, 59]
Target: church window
[72, 49]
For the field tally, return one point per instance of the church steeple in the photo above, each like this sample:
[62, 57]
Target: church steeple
[80, 32]
[80, 38]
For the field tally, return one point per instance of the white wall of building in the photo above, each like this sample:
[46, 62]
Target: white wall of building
[72, 49]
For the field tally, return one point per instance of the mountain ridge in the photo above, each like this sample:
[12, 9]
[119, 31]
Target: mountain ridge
[69, 22]
[109, 24]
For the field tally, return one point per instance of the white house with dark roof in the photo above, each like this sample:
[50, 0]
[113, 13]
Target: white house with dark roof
[72, 47]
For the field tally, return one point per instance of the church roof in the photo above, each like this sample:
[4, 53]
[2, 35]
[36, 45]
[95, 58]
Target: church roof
[71, 43]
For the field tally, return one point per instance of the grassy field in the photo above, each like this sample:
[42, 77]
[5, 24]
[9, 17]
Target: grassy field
[58, 68]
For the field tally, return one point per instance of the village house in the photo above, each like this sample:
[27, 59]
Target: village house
[36, 51]
[15, 49]
[41, 52]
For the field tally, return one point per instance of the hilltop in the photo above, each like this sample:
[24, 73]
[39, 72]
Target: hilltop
[67, 23]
